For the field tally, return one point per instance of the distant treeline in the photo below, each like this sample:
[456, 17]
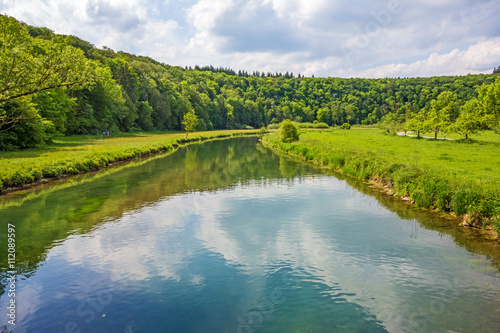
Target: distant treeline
[53, 85]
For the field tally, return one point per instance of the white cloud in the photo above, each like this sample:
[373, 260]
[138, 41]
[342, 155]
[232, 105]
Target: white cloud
[204, 14]
[324, 38]
[478, 58]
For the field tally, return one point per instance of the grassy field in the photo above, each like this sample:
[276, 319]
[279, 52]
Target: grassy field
[462, 176]
[76, 154]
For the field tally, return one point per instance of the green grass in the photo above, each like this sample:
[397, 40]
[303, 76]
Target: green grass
[77, 154]
[462, 176]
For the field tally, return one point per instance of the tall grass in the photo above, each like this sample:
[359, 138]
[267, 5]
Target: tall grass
[460, 176]
[78, 154]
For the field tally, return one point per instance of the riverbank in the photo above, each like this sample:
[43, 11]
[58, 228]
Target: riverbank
[459, 178]
[79, 154]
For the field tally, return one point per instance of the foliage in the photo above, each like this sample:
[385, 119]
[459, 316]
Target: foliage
[313, 125]
[416, 123]
[288, 131]
[32, 131]
[118, 91]
[443, 112]
[345, 126]
[190, 122]
[31, 65]
[489, 103]
[391, 123]
[468, 121]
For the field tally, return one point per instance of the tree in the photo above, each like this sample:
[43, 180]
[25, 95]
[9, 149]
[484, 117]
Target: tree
[28, 133]
[416, 123]
[324, 116]
[468, 122]
[31, 65]
[489, 103]
[443, 112]
[390, 123]
[190, 122]
[288, 131]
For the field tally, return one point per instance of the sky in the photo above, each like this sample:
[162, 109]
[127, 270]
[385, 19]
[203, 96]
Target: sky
[324, 38]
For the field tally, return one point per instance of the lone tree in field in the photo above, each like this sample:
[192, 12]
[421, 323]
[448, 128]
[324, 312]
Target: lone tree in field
[288, 131]
[190, 122]
[468, 121]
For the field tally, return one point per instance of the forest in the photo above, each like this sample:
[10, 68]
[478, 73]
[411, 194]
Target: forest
[58, 85]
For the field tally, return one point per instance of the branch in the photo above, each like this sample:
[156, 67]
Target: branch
[34, 91]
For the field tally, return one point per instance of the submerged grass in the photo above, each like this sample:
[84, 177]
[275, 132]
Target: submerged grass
[77, 154]
[461, 176]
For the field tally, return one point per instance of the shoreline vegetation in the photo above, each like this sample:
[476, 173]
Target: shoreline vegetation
[424, 173]
[80, 154]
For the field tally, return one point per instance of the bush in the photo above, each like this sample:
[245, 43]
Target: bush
[345, 126]
[316, 124]
[288, 131]
[497, 128]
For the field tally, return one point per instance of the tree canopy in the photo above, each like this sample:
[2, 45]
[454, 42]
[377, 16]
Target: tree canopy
[190, 121]
[67, 86]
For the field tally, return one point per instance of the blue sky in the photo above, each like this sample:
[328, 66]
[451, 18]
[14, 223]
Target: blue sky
[356, 38]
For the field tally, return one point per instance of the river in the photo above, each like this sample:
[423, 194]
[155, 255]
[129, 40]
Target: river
[226, 236]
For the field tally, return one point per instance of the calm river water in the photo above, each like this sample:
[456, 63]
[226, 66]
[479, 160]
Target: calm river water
[226, 236]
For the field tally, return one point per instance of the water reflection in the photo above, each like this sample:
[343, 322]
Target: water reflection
[267, 245]
[44, 218]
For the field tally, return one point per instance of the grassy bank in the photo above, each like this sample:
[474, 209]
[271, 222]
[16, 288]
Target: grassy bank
[460, 176]
[78, 154]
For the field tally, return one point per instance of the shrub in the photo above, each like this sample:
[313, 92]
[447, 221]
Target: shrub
[288, 131]
[316, 124]
[463, 199]
[262, 131]
[337, 161]
[345, 126]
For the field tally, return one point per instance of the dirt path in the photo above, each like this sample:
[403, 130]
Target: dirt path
[425, 137]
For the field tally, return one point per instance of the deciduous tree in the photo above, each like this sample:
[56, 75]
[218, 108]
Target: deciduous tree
[190, 122]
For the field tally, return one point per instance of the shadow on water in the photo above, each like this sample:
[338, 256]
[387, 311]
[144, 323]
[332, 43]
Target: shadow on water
[46, 216]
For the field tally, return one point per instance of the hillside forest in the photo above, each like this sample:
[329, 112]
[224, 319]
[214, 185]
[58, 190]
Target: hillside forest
[57, 85]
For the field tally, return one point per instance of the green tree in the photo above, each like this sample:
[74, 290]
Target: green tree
[190, 122]
[32, 131]
[288, 131]
[443, 112]
[324, 116]
[468, 122]
[31, 65]
[416, 123]
[390, 123]
[489, 103]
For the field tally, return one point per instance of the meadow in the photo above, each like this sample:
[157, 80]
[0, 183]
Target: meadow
[459, 176]
[77, 154]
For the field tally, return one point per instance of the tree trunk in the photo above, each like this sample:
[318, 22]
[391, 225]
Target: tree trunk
[187, 135]
[435, 135]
